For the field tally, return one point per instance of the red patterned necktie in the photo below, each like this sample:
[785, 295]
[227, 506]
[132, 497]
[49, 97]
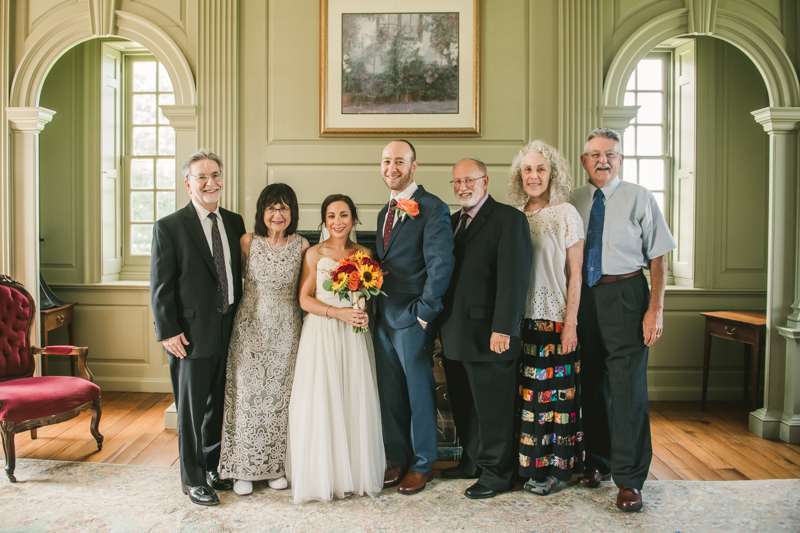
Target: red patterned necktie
[219, 260]
[387, 229]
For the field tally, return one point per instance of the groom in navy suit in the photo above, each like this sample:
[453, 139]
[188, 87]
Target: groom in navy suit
[415, 248]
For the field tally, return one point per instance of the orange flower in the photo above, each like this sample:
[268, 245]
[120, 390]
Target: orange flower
[379, 281]
[409, 206]
[355, 279]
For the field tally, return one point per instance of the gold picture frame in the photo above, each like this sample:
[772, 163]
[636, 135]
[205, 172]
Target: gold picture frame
[390, 68]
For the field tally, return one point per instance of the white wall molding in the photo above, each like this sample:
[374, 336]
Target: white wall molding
[183, 119]
[702, 16]
[26, 124]
[790, 421]
[218, 90]
[6, 203]
[101, 15]
[581, 75]
[619, 117]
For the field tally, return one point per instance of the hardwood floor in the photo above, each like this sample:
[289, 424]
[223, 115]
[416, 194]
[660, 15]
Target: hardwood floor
[687, 443]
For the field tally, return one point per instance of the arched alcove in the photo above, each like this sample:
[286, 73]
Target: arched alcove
[763, 44]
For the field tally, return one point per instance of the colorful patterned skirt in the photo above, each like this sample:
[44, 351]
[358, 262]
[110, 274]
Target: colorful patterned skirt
[549, 424]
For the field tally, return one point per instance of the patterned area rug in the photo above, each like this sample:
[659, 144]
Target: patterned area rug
[88, 497]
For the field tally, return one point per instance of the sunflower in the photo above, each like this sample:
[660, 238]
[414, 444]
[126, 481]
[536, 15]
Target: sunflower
[369, 275]
[358, 257]
[339, 283]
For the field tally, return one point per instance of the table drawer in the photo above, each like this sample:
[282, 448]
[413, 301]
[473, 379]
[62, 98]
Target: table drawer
[737, 332]
[58, 319]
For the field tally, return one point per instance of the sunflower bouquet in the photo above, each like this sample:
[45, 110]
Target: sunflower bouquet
[357, 279]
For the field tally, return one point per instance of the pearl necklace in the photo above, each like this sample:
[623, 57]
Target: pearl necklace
[273, 249]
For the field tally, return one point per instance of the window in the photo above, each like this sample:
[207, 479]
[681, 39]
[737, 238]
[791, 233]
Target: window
[646, 142]
[149, 155]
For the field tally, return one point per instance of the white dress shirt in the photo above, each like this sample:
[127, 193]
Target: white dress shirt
[202, 214]
[405, 194]
[634, 230]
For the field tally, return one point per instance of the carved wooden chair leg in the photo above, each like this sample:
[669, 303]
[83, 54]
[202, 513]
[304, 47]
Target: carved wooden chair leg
[95, 425]
[8, 449]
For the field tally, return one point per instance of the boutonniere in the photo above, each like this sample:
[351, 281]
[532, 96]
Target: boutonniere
[406, 207]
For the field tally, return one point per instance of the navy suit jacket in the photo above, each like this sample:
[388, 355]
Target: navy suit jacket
[418, 260]
[489, 288]
[184, 288]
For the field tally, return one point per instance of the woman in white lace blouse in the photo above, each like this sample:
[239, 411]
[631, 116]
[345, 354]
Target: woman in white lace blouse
[548, 408]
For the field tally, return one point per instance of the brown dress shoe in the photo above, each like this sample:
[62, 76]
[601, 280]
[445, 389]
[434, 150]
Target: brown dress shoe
[629, 500]
[591, 479]
[393, 476]
[413, 482]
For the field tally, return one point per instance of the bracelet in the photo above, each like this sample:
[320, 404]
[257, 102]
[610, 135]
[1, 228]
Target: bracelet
[326, 312]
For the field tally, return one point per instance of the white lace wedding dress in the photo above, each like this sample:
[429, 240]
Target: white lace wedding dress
[335, 437]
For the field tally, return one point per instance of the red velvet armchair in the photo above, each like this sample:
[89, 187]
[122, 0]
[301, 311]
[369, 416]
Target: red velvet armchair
[27, 402]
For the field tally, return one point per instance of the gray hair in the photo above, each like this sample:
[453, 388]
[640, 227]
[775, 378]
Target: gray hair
[605, 133]
[200, 155]
[480, 164]
[560, 177]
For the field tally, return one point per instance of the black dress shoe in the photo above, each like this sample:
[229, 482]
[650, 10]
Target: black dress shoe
[457, 473]
[480, 492]
[201, 494]
[218, 484]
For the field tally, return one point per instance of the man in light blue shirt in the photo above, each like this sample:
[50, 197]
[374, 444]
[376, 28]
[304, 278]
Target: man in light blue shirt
[619, 318]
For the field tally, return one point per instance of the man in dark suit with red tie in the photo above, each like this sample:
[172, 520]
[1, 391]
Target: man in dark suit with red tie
[195, 285]
[483, 308]
[415, 247]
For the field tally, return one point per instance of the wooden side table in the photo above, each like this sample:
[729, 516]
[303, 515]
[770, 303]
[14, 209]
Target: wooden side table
[54, 318]
[747, 327]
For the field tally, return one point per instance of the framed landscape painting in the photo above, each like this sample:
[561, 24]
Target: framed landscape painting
[391, 67]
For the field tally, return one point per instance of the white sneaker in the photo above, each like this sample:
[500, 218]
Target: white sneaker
[278, 484]
[242, 487]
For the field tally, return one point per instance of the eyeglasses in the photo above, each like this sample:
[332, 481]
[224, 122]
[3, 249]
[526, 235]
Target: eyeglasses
[216, 176]
[282, 210]
[468, 182]
[595, 156]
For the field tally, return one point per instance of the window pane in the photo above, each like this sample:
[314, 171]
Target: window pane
[629, 141]
[142, 173]
[660, 200]
[144, 109]
[164, 99]
[631, 82]
[142, 208]
[144, 76]
[648, 140]
[144, 141]
[166, 203]
[166, 173]
[141, 236]
[629, 170]
[166, 141]
[651, 111]
[630, 98]
[164, 83]
[649, 75]
[652, 174]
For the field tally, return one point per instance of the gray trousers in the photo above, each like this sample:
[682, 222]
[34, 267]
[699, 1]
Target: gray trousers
[616, 417]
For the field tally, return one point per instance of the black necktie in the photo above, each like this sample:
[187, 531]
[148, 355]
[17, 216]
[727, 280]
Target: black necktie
[462, 228]
[219, 260]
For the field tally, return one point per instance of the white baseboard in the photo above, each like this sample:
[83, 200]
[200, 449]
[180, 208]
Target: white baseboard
[171, 417]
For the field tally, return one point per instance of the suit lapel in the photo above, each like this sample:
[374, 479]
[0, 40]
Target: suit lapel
[195, 229]
[419, 193]
[233, 239]
[477, 223]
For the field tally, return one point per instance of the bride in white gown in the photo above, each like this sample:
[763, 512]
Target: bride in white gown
[335, 436]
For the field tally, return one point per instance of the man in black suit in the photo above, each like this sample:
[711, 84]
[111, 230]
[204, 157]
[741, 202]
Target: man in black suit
[195, 285]
[483, 307]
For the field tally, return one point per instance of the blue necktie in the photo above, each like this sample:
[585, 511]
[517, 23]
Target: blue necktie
[593, 253]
